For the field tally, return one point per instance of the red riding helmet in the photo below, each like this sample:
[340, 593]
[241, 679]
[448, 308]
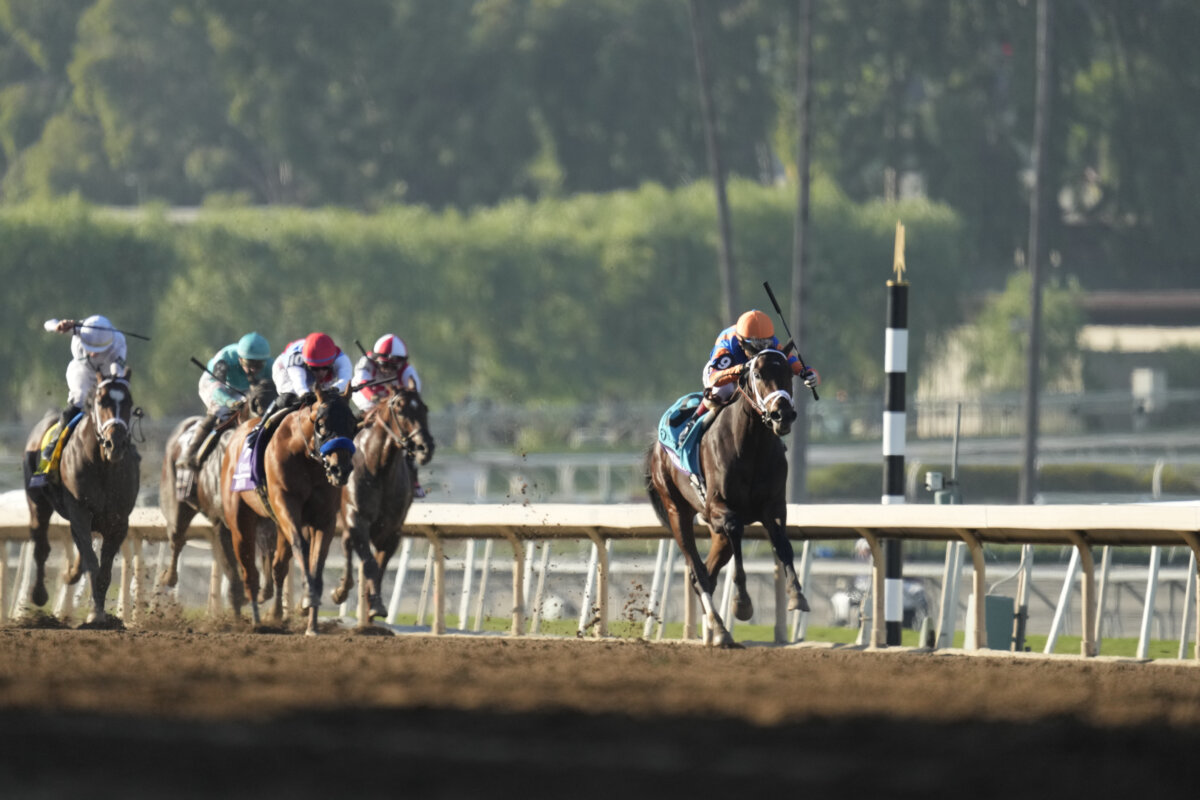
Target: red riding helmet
[319, 350]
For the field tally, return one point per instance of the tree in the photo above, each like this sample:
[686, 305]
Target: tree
[996, 340]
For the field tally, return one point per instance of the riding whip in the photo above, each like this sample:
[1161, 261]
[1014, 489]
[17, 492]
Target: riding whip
[779, 311]
[52, 325]
[223, 382]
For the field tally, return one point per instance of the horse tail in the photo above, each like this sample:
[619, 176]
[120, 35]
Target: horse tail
[656, 501]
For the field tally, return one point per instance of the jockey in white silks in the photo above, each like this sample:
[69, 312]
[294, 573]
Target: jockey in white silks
[97, 348]
[382, 372]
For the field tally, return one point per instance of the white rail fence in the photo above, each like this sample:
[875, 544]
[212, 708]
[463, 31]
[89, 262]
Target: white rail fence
[1083, 527]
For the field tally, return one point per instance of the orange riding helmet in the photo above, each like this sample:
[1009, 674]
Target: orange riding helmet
[755, 330]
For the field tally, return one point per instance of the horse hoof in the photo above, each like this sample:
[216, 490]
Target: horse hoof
[726, 642]
[338, 595]
[169, 580]
[378, 609]
[40, 596]
[743, 610]
[798, 602]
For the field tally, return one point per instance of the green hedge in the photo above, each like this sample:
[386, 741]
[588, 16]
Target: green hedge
[594, 297]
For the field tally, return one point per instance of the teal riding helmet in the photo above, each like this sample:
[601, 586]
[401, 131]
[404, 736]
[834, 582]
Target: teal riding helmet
[253, 347]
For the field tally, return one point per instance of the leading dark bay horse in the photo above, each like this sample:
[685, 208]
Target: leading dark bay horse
[379, 493]
[204, 494]
[96, 491]
[745, 477]
[305, 465]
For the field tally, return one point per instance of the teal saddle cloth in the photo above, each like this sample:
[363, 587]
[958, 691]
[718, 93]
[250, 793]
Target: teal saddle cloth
[686, 453]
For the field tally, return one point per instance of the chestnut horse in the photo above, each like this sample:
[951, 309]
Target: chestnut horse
[204, 494]
[376, 499]
[305, 465]
[745, 478]
[96, 491]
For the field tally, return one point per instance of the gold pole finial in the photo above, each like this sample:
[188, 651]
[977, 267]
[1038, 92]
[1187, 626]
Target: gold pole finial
[898, 259]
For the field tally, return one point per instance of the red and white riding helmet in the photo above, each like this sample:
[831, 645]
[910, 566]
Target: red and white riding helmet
[390, 347]
[319, 350]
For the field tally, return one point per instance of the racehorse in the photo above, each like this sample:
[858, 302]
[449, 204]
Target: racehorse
[745, 478]
[379, 493]
[204, 495]
[305, 465]
[96, 490]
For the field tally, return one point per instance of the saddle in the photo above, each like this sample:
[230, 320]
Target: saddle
[53, 441]
[250, 472]
[185, 476]
[685, 452]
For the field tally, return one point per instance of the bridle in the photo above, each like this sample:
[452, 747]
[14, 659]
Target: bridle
[392, 423]
[102, 426]
[323, 443]
[758, 401]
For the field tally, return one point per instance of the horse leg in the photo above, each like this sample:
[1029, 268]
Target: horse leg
[783, 551]
[266, 541]
[38, 533]
[243, 523]
[342, 590]
[372, 574]
[685, 536]
[102, 577]
[726, 544]
[322, 538]
[281, 564]
[177, 527]
[227, 559]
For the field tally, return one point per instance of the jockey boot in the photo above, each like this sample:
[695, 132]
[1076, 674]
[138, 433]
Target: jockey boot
[67, 415]
[203, 429]
[701, 410]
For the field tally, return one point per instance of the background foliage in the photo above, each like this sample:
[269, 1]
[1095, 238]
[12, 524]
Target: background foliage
[585, 299]
[470, 103]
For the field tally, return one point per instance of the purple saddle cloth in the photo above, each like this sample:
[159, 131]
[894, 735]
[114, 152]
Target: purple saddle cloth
[248, 474]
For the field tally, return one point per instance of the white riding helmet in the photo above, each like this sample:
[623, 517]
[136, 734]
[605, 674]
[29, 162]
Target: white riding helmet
[96, 333]
[390, 347]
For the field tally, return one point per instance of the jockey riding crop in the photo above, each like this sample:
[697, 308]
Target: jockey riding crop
[51, 324]
[226, 384]
[779, 311]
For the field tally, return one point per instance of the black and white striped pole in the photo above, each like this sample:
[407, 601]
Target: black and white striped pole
[894, 420]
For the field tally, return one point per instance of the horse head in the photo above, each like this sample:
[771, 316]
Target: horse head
[333, 427]
[112, 411]
[766, 382]
[408, 421]
[258, 399]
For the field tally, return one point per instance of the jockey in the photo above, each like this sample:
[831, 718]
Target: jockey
[386, 367]
[96, 348]
[222, 388]
[308, 364]
[735, 346]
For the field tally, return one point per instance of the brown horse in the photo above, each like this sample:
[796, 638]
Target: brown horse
[305, 465]
[204, 495]
[745, 479]
[96, 491]
[376, 499]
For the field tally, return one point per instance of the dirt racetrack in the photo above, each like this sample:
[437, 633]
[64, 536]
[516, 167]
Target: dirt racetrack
[193, 714]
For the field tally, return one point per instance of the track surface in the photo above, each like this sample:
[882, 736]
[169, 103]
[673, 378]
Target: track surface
[179, 714]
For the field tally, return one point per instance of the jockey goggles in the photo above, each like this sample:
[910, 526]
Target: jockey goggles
[755, 345]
